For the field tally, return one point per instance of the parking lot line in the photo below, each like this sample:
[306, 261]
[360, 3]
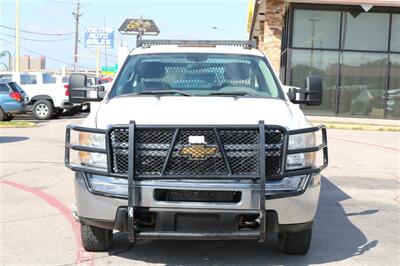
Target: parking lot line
[82, 257]
[366, 144]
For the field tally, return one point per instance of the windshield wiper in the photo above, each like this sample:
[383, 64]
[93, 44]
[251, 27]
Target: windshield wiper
[160, 92]
[233, 93]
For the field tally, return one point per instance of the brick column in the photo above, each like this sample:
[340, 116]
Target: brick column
[270, 42]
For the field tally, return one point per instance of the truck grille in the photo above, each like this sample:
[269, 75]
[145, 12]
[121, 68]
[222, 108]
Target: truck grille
[152, 146]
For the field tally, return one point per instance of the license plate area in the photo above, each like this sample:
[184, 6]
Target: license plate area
[176, 195]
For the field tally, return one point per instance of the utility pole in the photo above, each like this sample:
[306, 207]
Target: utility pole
[17, 49]
[76, 16]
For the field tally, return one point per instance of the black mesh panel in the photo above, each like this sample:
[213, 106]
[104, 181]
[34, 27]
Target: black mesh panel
[152, 144]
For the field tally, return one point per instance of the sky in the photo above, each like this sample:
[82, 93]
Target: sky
[176, 19]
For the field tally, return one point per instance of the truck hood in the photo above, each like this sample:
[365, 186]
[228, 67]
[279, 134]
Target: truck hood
[181, 110]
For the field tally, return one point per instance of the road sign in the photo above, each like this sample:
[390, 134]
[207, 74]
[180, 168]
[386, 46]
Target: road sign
[139, 26]
[109, 69]
[99, 37]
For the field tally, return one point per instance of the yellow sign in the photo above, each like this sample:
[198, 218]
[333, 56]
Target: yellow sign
[135, 26]
[250, 10]
[198, 151]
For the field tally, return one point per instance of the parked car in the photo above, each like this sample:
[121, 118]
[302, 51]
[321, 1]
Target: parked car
[48, 93]
[172, 153]
[13, 99]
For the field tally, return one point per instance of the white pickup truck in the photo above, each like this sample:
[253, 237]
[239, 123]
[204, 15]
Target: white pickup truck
[48, 93]
[196, 140]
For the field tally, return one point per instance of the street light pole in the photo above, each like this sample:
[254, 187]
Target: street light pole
[313, 21]
[17, 60]
[105, 46]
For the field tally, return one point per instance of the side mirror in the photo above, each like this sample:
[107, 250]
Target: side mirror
[311, 95]
[80, 93]
[314, 88]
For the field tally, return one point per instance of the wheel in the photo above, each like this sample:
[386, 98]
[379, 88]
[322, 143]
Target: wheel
[43, 109]
[96, 239]
[295, 243]
[3, 116]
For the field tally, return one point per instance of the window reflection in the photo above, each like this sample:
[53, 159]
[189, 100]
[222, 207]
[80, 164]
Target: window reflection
[365, 31]
[354, 71]
[393, 94]
[316, 29]
[320, 63]
[363, 81]
[395, 38]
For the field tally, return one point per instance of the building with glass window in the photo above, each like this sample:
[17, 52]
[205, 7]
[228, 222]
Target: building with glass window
[353, 45]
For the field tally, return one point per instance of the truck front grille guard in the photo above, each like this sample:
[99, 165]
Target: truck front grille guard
[132, 176]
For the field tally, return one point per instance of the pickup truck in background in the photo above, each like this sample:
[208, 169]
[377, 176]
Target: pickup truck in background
[48, 93]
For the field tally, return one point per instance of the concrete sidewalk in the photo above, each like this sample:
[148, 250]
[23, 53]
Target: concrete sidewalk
[356, 123]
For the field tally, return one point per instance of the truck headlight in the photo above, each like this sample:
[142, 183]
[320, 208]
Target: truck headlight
[108, 184]
[300, 160]
[93, 140]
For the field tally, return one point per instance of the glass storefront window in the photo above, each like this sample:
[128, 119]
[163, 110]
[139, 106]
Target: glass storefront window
[316, 29]
[323, 64]
[393, 94]
[395, 39]
[355, 69]
[365, 31]
[363, 82]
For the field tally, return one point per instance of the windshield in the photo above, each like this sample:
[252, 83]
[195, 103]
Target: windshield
[197, 74]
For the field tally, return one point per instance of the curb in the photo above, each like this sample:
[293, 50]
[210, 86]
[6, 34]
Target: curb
[17, 124]
[357, 126]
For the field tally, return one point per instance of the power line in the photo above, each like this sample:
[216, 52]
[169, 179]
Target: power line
[37, 53]
[35, 40]
[59, 2]
[92, 13]
[102, 53]
[38, 33]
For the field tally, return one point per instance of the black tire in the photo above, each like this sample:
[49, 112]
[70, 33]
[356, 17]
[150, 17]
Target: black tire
[295, 243]
[3, 116]
[96, 239]
[43, 109]
[57, 112]
[8, 117]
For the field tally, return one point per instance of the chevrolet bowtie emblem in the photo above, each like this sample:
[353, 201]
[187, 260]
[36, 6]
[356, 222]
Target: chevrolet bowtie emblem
[198, 151]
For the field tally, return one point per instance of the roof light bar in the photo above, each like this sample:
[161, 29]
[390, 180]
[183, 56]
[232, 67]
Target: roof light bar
[199, 43]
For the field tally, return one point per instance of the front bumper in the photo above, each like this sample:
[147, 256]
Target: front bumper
[181, 215]
[289, 208]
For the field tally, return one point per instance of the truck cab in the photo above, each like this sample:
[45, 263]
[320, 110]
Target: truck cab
[196, 140]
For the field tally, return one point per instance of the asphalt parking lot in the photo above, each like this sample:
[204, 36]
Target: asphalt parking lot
[358, 218]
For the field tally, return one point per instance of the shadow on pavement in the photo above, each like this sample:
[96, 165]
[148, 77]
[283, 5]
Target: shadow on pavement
[9, 139]
[335, 238]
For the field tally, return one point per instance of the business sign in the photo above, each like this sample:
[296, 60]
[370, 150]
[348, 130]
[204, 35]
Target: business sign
[99, 37]
[136, 26]
[250, 10]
